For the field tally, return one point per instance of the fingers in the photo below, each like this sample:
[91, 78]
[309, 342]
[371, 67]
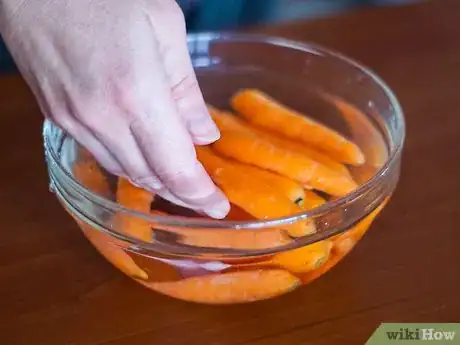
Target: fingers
[86, 139]
[169, 151]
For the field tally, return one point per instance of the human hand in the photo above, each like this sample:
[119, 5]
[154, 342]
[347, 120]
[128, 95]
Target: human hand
[116, 75]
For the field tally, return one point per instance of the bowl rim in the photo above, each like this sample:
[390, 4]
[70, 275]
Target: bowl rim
[186, 222]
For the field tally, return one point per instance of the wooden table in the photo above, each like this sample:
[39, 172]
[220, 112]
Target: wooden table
[56, 290]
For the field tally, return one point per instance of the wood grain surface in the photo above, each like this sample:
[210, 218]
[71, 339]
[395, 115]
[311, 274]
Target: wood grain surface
[55, 289]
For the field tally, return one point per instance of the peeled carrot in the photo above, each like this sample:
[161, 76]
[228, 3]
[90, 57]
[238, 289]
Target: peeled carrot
[305, 259]
[307, 151]
[290, 188]
[113, 253]
[228, 239]
[312, 200]
[137, 199]
[333, 260]
[227, 121]
[268, 113]
[299, 260]
[251, 193]
[259, 152]
[91, 176]
[232, 287]
[344, 243]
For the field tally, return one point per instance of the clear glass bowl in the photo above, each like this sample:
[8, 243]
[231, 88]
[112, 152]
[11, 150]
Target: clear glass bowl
[235, 261]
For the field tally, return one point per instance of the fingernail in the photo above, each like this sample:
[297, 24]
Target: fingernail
[151, 183]
[204, 130]
[219, 210]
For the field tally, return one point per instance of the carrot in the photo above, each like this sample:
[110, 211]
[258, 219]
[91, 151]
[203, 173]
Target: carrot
[227, 121]
[268, 113]
[365, 132]
[334, 259]
[238, 214]
[250, 193]
[303, 149]
[344, 243]
[113, 253]
[299, 260]
[290, 188]
[233, 287]
[87, 172]
[137, 199]
[312, 200]
[305, 259]
[238, 239]
[259, 152]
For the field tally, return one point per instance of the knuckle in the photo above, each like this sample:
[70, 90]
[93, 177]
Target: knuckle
[184, 88]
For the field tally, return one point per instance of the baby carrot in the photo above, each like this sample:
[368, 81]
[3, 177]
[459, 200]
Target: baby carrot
[259, 152]
[228, 121]
[268, 113]
[137, 199]
[251, 193]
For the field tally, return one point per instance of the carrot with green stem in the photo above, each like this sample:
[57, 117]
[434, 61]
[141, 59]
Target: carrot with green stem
[253, 150]
[251, 193]
[266, 112]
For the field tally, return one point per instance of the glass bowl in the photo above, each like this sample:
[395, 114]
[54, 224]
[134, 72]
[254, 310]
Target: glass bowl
[239, 259]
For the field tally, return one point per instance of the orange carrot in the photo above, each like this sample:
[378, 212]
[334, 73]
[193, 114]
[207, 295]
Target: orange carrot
[312, 200]
[300, 260]
[113, 253]
[87, 172]
[290, 188]
[137, 199]
[227, 121]
[268, 113]
[333, 260]
[250, 193]
[228, 239]
[232, 287]
[346, 241]
[259, 152]
[318, 156]
[305, 259]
